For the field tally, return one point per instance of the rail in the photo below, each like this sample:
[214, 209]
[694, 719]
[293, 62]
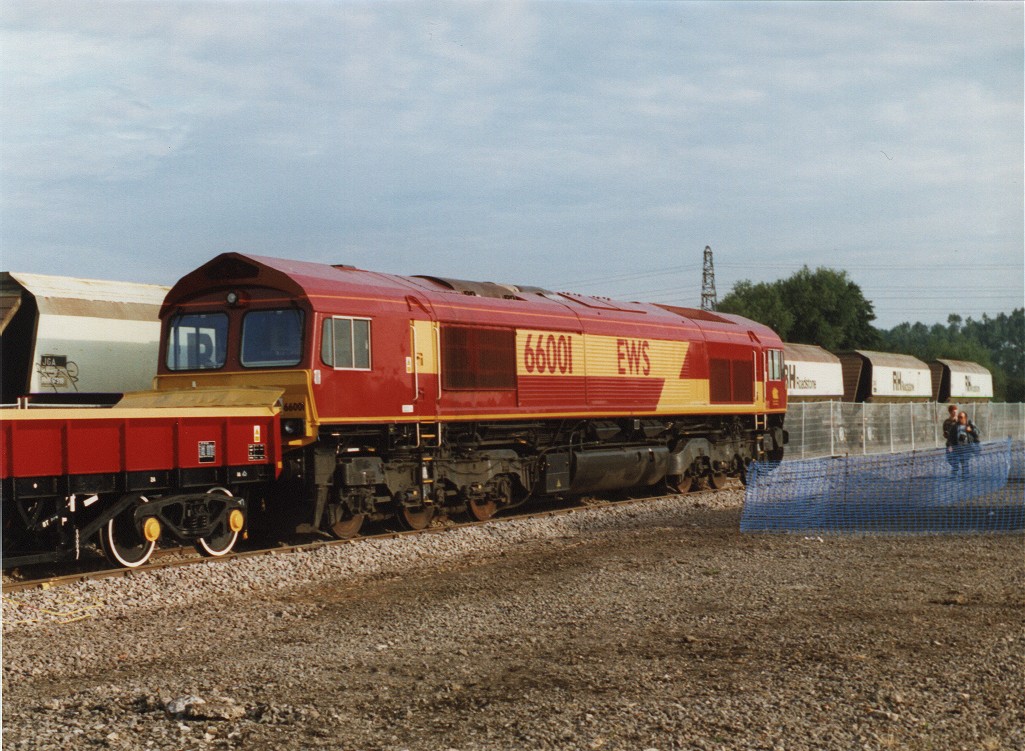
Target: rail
[164, 559]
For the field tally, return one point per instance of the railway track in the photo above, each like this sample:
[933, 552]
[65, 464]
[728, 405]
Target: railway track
[180, 557]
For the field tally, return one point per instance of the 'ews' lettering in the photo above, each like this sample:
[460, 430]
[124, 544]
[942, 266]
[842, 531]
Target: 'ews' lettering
[632, 356]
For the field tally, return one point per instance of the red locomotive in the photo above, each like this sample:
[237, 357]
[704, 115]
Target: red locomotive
[411, 396]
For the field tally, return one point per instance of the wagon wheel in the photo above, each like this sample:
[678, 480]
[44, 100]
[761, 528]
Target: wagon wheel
[225, 534]
[123, 543]
[415, 518]
[348, 525]
[480, 510]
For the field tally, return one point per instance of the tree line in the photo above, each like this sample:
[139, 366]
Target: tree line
[826, 308]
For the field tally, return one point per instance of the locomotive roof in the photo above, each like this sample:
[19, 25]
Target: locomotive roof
[305, 279]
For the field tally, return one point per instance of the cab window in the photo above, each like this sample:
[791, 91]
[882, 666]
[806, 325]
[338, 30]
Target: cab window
[197, 341]
[345, 343]
[272, 338]
[775, 365]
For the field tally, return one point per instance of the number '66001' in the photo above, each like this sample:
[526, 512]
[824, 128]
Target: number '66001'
[549, 353]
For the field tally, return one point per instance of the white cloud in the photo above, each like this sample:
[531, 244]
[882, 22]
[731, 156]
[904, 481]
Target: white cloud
[568, 132]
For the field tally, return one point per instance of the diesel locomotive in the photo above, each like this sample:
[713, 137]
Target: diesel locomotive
[410, 396]
[406, 397]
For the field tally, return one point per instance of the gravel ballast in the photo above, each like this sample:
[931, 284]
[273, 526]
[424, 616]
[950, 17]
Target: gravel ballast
[643, 627]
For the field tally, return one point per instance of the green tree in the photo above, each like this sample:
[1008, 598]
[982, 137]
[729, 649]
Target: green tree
[760, 302]
[820, 307]
[995, 343]
[826, 308]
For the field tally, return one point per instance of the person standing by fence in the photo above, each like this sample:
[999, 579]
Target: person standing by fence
[962, 442]
[948, 425]
[950, 422]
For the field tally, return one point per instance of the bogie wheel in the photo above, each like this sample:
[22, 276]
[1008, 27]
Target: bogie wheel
[123, 543]
[717, 480]
[225, 535]
[480, 510]
[743, 466]
[415, 518]
[348, 526]
[681, 484]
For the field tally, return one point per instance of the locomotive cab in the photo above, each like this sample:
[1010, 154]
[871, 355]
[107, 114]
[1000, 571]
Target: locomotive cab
[344, 344]
[244, 347]
[246, 332]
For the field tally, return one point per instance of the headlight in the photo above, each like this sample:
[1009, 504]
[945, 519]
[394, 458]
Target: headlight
[293, 427]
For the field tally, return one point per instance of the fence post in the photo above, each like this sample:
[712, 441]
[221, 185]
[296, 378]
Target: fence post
[804, 436]
[890, 415]
[864, 430]
[832, 431]
[912, 429]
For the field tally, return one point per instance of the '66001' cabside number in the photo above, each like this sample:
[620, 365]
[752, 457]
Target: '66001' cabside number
[548, 353]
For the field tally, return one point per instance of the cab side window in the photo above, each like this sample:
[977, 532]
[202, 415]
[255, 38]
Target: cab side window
[345, 343]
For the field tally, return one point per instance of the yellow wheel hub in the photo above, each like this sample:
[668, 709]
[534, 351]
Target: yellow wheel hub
[236, 520]
[151, 529]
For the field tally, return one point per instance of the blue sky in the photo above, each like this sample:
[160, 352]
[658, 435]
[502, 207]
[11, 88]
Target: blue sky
[583, 146]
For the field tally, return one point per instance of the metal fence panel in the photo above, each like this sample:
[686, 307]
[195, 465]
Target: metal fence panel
[820, 429]
[968, 489]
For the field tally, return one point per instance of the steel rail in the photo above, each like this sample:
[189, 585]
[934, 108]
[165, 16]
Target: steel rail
[196, 558]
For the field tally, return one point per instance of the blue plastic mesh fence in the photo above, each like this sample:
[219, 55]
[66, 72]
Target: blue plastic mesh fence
[969, 489]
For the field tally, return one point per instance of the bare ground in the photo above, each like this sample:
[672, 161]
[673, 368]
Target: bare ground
[669, 631]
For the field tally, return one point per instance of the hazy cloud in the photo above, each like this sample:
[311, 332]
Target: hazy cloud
[597, 145]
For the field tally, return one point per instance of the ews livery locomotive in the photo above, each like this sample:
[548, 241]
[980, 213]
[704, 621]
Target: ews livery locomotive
[410, 396]
[313, 397]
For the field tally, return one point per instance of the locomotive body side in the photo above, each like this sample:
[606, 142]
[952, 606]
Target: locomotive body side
[438, 354]
[409, 395]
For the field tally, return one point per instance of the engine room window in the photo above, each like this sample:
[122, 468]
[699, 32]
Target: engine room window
[478, 358]
[272, 338]
[345, 343]
[197, 341]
